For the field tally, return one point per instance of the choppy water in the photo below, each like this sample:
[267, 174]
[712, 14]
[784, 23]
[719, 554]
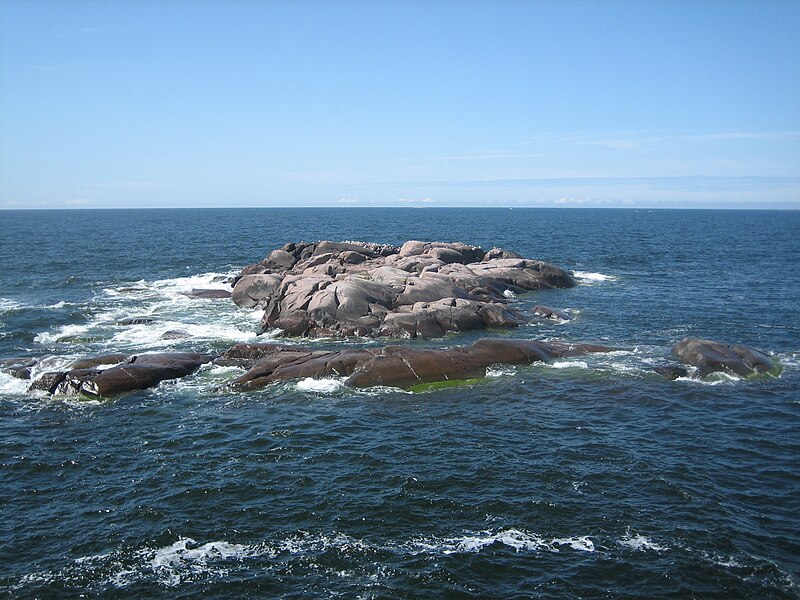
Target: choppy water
[589, 477]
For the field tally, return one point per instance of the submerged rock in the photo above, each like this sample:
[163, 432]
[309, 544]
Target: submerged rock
[135, 321]
[420, 290]
[716, 357]
[671, 372]
[135, 373]
[207, 294]
[552, 314]
[396, 366]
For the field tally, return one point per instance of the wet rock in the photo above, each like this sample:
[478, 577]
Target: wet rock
[48, 382]
[106, 359]
[207, 294]
[396, 366]
[245, 355]
[709, 357]
[136, 373]
[552, 314]
[672, 372]
[420, 290]
[135, 321]
[20, 368]
[175, 334]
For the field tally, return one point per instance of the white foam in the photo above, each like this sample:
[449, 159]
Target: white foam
[498, 371]
[712, 379]
[640, 543]
[569, 364]
[325, 385]
[183, 560]
[61, 335]
[310, 542]
[13, 386]
[151, 334]
[586, 276]
[7, 305]
[509, 294]
[582, 543]
[513, 538]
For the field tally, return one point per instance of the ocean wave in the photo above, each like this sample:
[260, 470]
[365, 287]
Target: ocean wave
[8, 305]
[62, 335]
[12, 386]
[500, 371]
[587, 277]
[569, 364]
[516, 539]
[639, 543]
[326, 385]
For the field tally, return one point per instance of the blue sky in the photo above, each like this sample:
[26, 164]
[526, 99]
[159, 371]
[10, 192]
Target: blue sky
[381, 103]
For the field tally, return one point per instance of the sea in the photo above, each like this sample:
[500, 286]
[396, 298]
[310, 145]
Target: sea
[590, 477]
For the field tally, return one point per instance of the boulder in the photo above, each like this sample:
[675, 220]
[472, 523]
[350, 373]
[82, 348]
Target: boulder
[136, 373]
[253, 291]
[716, 357]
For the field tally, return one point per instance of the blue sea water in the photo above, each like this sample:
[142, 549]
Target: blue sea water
[586, 478]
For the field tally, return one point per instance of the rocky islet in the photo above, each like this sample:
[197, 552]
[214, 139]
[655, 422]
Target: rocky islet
[353, 289]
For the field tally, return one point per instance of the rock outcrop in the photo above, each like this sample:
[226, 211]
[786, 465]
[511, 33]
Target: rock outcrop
[395, 366]
[716, 357]
[420, 290]
[135, 373]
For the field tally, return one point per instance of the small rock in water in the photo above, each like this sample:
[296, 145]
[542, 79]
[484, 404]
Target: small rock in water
[135, 321]
[717, 357]
[207, 294]
[550, 313]
[175, 334]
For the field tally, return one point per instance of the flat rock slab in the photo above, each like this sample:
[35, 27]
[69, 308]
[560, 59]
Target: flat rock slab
[394, 366]
[135, 373]
[207, 293]
[419, 290]
[709, 357]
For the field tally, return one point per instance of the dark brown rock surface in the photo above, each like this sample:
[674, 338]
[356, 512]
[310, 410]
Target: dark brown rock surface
[396, 366]
[135, 373]
[712, 357]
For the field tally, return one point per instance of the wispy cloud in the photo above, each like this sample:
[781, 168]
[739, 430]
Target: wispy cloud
[634, 140]
[415, 200]
[495, 155]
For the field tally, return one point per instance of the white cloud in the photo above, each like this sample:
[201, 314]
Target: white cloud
[415, 200]
[77, 202]
[348, 200]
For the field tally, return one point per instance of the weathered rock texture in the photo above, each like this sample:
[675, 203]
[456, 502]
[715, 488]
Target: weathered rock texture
[396, 366]
[134, 373]
[421, 290]
[712, 357]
